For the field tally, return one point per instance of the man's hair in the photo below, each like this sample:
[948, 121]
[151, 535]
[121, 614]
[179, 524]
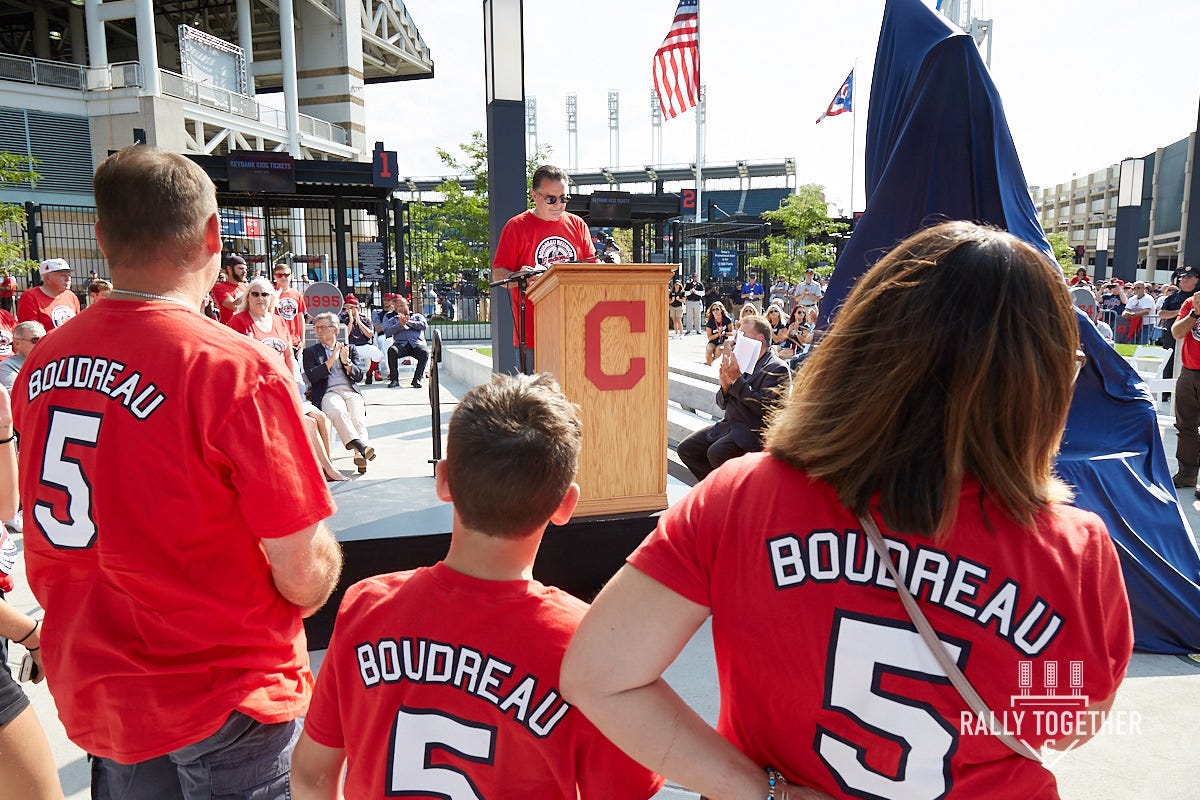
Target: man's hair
[547, 172]
[760, 326]
[328, 316]
[99, 285]
[511, 454]
[958, 350]
[152, 204]
[23, 330]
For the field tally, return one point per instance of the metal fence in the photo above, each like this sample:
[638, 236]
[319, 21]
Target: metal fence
[457, 306]
[64, 75]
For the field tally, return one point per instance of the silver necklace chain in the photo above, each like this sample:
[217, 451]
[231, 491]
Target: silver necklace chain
[149, 296]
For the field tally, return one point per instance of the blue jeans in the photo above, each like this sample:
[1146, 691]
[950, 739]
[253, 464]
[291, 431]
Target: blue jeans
[244, 760]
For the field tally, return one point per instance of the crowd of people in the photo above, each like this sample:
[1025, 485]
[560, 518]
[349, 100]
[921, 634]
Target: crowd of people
[1131, 312]
[172, 636]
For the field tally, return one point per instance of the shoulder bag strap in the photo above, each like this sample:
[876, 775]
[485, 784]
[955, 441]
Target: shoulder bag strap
[964, 687]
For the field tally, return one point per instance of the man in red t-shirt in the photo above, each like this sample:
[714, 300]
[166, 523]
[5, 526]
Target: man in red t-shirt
[467, 704]
[228, 292]
[173, 511]
[52, 303]
[1186, 329]
[290, 306]
[547, 235]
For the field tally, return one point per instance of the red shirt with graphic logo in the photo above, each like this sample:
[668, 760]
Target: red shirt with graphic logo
[461, 705]
[7, 323]
[278, 338]
[822, 673]
[52, 312]
[291, 308]
[158, 449]
[527, 240]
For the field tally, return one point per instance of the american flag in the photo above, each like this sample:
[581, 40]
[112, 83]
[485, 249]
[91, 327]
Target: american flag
[677, 62]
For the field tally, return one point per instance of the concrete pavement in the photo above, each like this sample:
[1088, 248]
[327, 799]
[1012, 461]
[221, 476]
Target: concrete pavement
[1157, 758]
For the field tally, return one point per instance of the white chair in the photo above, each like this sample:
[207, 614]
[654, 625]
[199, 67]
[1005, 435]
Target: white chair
[1151, 361]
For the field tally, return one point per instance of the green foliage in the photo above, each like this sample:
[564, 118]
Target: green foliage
[808, 240]
[14, 169]
[459, 224]
[1064, 253]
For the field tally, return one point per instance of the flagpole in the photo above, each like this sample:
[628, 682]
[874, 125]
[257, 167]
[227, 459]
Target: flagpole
[699, 134]
[853, 130]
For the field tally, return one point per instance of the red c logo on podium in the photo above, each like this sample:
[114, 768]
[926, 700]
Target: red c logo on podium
[635, 312]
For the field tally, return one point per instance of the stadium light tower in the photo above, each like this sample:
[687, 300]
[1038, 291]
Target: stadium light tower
[572, 132]
[614, 129]
[961, 13]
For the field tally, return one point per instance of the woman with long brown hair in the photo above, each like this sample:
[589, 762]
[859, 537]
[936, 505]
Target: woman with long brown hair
[932, 410]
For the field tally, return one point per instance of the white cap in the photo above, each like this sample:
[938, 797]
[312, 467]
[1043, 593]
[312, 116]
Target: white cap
[53, 265]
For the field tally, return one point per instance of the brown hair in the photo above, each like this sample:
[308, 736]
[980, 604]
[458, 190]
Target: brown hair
[152, 204]
[511, 454]
[547, 172]
[953, 355]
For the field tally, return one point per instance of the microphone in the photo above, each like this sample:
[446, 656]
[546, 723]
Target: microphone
[609, 243]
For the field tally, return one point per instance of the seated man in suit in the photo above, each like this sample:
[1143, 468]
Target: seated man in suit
[333, 374]
[745, 397]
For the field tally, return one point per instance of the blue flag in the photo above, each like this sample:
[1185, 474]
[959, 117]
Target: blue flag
[843, 101]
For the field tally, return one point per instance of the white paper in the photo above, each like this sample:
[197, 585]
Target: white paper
[746, 350]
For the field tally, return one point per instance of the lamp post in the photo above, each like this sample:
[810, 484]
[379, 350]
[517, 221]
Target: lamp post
[1129, 207]
[504, 73]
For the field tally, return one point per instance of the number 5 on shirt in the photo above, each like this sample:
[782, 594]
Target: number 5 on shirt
[62, 472]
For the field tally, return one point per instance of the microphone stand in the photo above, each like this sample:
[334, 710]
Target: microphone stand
[521, 279]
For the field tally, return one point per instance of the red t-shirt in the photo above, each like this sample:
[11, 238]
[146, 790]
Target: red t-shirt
[530, 241]
[157, 449]
[7, 323]
[290, 307]
[431, 704]
[8, 286]
[278, 338]
[1191, 342]
[52, 312]
[227, 290]
[822, 673]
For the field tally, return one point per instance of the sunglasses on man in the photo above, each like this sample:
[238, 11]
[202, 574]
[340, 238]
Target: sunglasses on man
[554, 199]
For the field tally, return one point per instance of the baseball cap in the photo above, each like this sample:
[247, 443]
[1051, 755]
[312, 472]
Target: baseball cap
[1188, 272]
[53, 265]
[351, 300]
[230, 260]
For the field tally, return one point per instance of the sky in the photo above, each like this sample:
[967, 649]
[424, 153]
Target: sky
[1084, 83]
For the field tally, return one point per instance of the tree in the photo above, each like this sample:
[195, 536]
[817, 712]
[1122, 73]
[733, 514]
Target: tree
[808, 239]
[1064, 253]
[14, 169]
[459, 224]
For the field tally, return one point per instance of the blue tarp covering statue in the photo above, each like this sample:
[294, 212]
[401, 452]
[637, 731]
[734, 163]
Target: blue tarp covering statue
[938, 147]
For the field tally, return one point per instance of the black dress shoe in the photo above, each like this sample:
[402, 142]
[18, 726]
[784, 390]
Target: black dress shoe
[416, 384]
[370, 379]
[393, 384]
[1182, 481]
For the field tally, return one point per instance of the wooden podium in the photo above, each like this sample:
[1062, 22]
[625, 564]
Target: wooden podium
[602, 333]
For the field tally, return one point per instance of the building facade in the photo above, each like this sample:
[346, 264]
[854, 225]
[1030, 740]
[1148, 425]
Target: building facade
[82, 78]
[1157, 194]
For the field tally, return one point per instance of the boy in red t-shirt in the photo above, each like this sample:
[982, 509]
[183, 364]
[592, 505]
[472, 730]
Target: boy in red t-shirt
[466, 704]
